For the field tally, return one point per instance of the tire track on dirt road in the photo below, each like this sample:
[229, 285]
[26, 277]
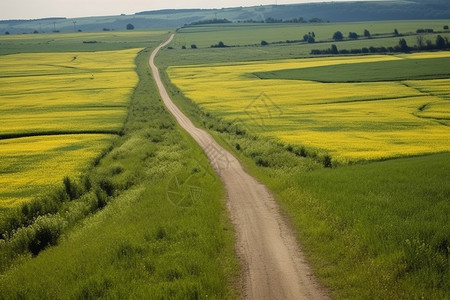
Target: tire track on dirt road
[273, 265]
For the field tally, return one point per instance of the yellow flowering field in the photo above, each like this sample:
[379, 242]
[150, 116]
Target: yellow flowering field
[351, 121]
[53, 91]
[30, 165]
[58, 111]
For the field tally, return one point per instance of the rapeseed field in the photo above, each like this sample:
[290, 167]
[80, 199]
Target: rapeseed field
[32, 165]
[58, 111]
[351, 121]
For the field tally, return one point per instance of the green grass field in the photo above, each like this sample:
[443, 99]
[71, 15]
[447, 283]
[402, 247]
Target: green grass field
[417, 69]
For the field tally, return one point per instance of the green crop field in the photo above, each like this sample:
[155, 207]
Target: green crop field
[395, 70]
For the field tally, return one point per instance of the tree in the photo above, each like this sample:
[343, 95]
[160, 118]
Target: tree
[396, 32]
[316, 20]
[7, 32]
[403, 45]
[311, 39]
[219, 45]
[353, 35]
[420, 41]
[193, 46]
[264, 43]
[445, 27]
[440, 42]
[338, 36]
[183, 47]
[306, 37]
[367, 33]
[130, 26]
[334, 49]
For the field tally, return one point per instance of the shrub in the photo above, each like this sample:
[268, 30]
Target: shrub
[327, 161]
[45, 232]
[302, 152]
[71, 188]
[353, 36]
[116, 170]
[219, 45]
[102, 200]
[107, 186]
[262, 162]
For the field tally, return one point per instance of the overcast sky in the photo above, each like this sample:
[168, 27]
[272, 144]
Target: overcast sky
[34, 9]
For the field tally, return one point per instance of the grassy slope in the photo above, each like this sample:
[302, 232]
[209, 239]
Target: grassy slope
[141, 243]
[374, 231]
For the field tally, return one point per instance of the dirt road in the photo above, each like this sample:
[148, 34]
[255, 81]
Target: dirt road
[273, 265]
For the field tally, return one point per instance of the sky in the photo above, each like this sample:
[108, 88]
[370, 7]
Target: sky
[35, 9]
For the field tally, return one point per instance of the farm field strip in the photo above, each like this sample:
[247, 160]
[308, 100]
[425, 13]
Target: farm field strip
[351, 121]
[64, 109]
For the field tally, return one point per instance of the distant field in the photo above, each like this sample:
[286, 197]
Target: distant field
[391, 70]
[350, 121]
[58, 111]
[245, 40]
[80, 41]
[248, 34]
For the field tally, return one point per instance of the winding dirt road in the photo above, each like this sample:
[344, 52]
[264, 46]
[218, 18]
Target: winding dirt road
[273, 265]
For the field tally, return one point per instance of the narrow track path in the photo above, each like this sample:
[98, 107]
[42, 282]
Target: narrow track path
[273, 265]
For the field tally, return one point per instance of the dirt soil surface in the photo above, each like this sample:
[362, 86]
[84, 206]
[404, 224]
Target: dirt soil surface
[273, 264]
